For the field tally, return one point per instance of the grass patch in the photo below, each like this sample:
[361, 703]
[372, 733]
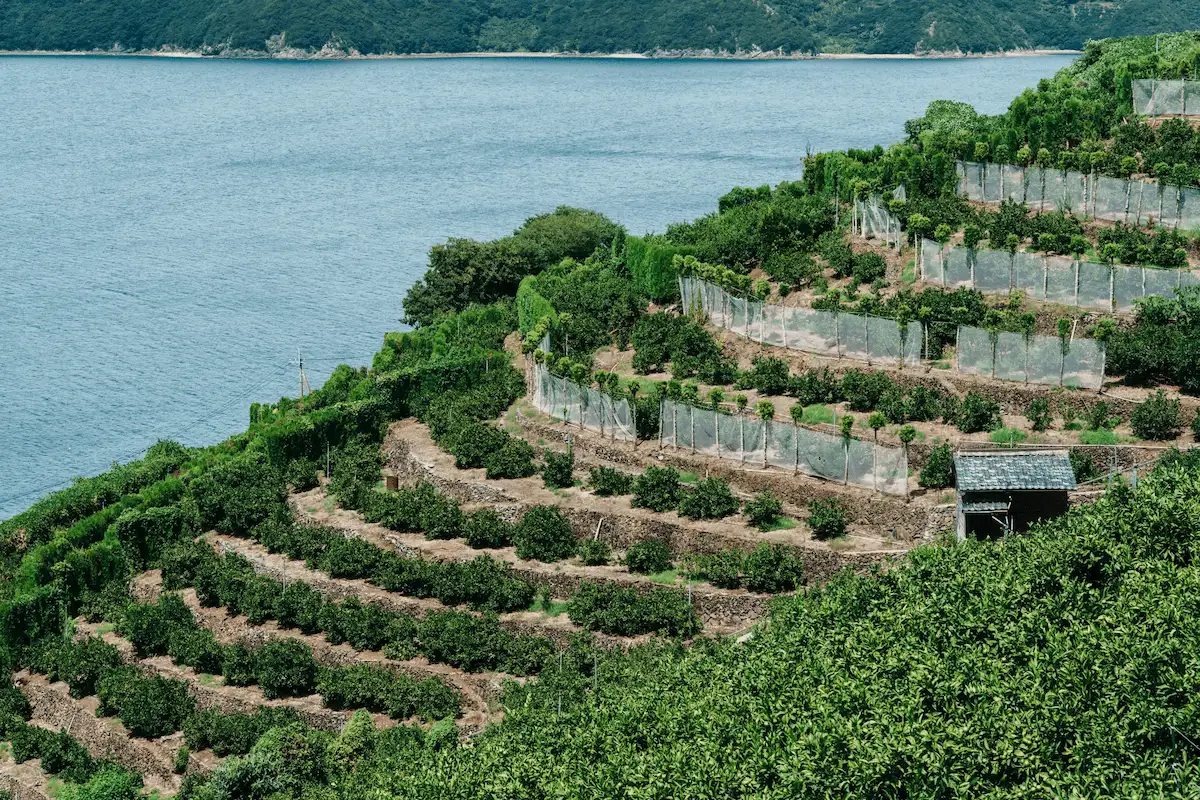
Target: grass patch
[208, 679]
[688, 477]
[554, 609]
[947, 498]
[816, 414]
[1102, 436]
[944, 364]
[909, 273]
[668, 577]
[1007, 436]
[781, 524]
[841, 543]
[105, 627]
[541, 442]
[328, 505]
[54, 786]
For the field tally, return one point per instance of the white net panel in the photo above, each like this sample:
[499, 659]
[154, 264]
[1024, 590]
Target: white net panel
[1029, 275]
[958, 267]
[855, 336]
[975, 354]
[1060, 280]
[584, 406]
[875, 221]
[739, 437]
[1154, 98]
[1056, 279]
[1127, 287]
[991, 271]
[1097, 196]
[1094, 286]
[932, 256]
[1032, 359]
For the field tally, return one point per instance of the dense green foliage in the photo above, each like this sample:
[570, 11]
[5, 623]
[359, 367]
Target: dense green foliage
[1163, 345]
[770, 568]
[404, 26]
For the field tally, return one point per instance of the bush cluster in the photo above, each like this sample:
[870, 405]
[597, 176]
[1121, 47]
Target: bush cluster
[606, 481]
[661, 340]
[827, 518]
[710, 498]
[770, 568]
[482, 644]
[648, 557]
[621, 611]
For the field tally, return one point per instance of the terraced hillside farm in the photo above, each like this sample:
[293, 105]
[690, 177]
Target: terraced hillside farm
[669, 516]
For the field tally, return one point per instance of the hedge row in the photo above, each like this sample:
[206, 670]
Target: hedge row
[624, 611]
[460, 639]
[770, 568]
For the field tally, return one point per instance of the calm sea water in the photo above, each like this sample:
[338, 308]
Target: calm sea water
[174, 232]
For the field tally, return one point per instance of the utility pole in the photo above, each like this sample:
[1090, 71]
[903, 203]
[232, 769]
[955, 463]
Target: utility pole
[303, 379]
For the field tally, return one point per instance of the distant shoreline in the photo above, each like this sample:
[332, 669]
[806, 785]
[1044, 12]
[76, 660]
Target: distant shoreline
[291, 54]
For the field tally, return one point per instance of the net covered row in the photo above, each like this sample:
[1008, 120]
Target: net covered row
[1052, 278]
[790, 447]
[1030, 359]
[1141, 202]
[872, 220]
[582, 405]
[841, 335]
[1154, 98]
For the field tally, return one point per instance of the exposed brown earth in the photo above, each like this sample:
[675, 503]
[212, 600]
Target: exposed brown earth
[24, 781]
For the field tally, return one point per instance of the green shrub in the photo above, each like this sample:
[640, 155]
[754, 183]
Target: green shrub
[763, 511]
[299, 606]
[773, 568]
[977, 413]
[380, 690]
[441, 518]
[149, 627]
[710, 498]
[621, 611]
[237, 494]
[606, 481]
[514, 460]
[237, 665]
[108, 782]
[1157, 418]
[59, 753]
[722, 569]
[80, 663]
[285, 668]
[149, 706]
[233, 734]
[301, 474]
[486, 529]
[1039, 414]
[558, 469]
[544, 534]
[657, 489]
[474, 443]
[1082, 465]
[648, 557]
[593, 552]
[196, 648]
[827, 518]
[357, 469]
[345, 557]
[938, 471]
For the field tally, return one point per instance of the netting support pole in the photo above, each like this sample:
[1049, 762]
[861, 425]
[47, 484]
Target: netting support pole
[846, 461]
[675, 423]
[1128, 191]
[742, 438]
[957, 338]
[661, 407]
[1076, 283]
[837, 336]
[717, 430]
[766, 424]
[1143, 281]
[692, 428]
[1045, 277]
[867, 337]
[1012, 260]
[971, 261]
[796, 456]
[1112, 274]
[874, 467]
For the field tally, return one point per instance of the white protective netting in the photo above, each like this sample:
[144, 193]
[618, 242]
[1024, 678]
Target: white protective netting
[870, 339]
[874, 221]
[1154, 98]
[785, 446]
[1051, 278]
[1091, 195]
[582, 405]
[1031, 359]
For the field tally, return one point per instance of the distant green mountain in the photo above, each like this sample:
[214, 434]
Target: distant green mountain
[586, 26]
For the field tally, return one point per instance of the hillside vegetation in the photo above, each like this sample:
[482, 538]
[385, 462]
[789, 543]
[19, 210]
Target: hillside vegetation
[586, 26]
[1058, 663]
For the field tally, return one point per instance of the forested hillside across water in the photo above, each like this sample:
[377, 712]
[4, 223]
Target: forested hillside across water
[583, 26]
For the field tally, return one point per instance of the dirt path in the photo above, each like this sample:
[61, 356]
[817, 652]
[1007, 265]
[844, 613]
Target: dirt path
[25, 781]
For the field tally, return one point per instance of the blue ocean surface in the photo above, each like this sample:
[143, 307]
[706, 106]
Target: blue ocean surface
[174, 232]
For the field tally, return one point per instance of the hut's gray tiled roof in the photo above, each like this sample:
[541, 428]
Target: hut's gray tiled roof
[1018, 470]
